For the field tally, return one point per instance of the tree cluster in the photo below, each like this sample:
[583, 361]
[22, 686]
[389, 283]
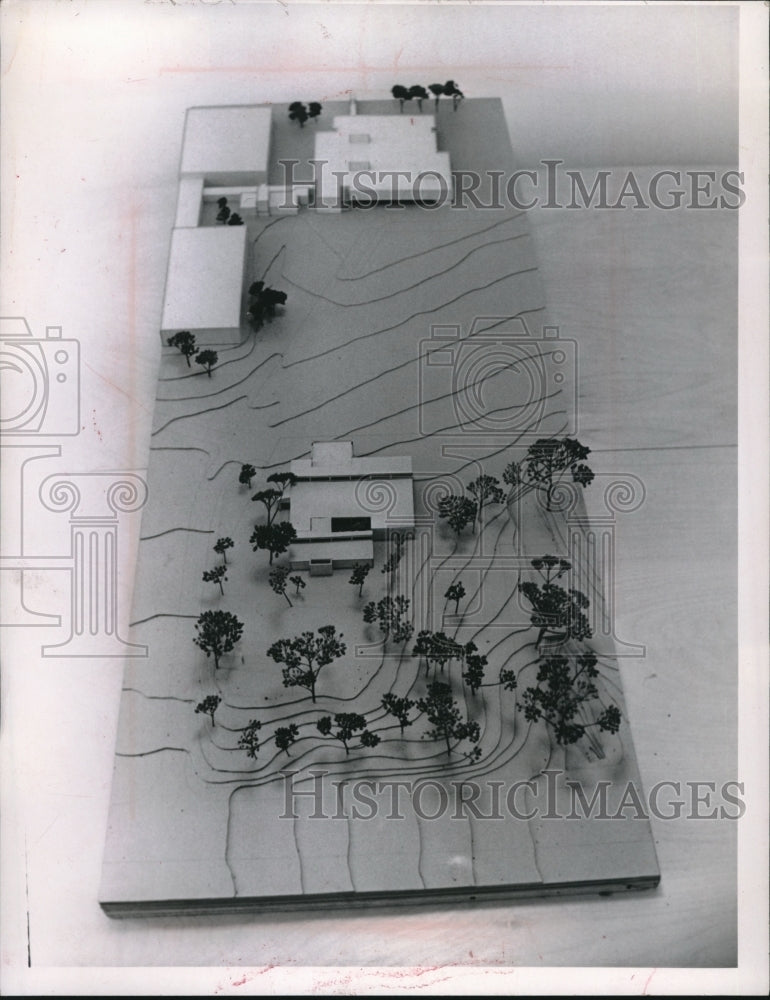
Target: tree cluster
[419, 93]
[225, 216]
[263, 303]
[275, 536]
[390, 614]
[547, 463]
[460, 510]
[563, 688]
[298, 112]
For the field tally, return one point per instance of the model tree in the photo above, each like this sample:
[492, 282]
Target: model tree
[208, 706]
[390, 613]
[224, 212]
[455, 593]
[446, 719]
[235, 220]
[275, 538]
[306, 655]
[438, 648]
[451, 90]
[271, 497]
[314, 110]
[547, 463]
[348, 724]
[563, 690]
[249, 739]
[282, 480]
[285, 736]
[278, 578]
[418, 94]
[185, 341]
[358, 576]
[475, 662]
[399, 708]
[437, 89]
[218, 632]
[391, 563]
[485, 490]
[207, 360]
[222, 545]
[216, 575]
[555, 610]
[401, 94]
[263, 303]
[299, 584]
[551, 567]
[298, 113]
[246, 474]
[458, 511]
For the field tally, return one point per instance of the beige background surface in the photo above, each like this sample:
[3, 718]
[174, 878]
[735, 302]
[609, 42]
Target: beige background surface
[94, 95]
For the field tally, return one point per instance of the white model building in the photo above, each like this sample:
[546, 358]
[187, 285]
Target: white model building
[224, 152]
[204, 284]
[359, 159]
[340, 504]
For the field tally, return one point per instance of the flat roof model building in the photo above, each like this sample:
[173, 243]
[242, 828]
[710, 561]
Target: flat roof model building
[340, 504]
[380, 158]
[204, 284]
[227, 146]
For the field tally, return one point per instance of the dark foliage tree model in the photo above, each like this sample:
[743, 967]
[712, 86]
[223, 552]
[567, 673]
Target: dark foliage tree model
[222, 545]
[458, 511]
[447, 721]
[359, 575]
[207, 360]
[401, 94]
[485, 490]
[452, 90]
[263, 303]
[218, 632]
[348, 725]
[298, 113]
[399, 708]
[306, 655]
[246, 474]
[275, 538]
[208, 706]
[216, 575]
[285, 736]
[419, 94]
[564, 687]
[455, 592]
[390, 613]
[547, 463]
[278, 578]
[556, 611]
[185, 341]
[437, 89]
[249, 738]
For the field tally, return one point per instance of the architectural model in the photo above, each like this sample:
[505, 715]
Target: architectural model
[381, 660]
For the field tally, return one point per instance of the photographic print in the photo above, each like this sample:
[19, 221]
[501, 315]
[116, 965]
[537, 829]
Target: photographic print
[373, 595]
